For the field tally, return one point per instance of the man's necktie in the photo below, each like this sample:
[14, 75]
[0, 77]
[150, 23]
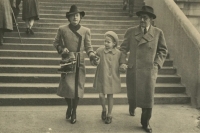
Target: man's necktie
[145, 30]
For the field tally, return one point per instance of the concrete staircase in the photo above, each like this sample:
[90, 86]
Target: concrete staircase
[28, 71]
[191, 8]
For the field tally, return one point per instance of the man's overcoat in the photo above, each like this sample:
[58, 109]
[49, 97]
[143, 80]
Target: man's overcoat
[70, 40]
[147, 54]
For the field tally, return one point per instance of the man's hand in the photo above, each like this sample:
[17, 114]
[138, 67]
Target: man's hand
[123, 68]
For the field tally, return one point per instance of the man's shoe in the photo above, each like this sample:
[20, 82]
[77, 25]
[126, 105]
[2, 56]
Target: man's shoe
[148, 129]
[131, 111]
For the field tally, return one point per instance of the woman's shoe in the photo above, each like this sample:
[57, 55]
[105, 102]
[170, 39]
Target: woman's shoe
[108, 120]
[27, 31]
[68, 113]
[103, 115]
[73, 117]
[31, 32]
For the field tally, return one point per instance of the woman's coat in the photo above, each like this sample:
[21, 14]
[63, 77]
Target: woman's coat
[147, 54]
[6, 15]
[70, 40]
[30, 10]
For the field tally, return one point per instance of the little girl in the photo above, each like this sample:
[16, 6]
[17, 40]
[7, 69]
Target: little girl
[107, 77]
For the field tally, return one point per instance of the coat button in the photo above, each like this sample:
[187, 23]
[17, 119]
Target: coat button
[150, 47]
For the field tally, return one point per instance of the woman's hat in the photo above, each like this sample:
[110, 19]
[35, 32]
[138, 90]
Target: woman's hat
[113, 35]
[147, 10]
[74, 10]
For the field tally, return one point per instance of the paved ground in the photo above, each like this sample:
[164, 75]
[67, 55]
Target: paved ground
[51, 119]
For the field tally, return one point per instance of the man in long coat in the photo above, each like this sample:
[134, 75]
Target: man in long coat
[148, 51]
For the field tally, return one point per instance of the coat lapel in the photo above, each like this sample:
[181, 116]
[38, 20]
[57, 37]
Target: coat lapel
[147, 37]
[138, 34]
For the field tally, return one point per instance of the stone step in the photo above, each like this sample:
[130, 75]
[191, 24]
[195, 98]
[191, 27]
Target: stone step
[190, 7]
[81, 5]
[93, 17]
[86, 9]
[89, 99]
[52, 35]
[64, 21]
[91, 26]
[48, 61]
[54, 30]
[31, 40]
[49, 69]
[32, 53]
[115, 1]
[54, 78]
[193, 13]
[46, 47]
[89, 12]
[50, 88]
[88, 2]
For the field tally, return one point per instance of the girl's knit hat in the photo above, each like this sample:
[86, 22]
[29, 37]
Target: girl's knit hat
[113, 35]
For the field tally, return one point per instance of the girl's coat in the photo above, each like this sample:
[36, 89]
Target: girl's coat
[107, 78]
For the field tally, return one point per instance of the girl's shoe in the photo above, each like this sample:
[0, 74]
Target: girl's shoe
[103, 115]
[68, 113]
[108, 120]
[73, 117]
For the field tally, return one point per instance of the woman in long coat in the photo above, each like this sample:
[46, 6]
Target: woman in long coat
[73, 38]
[30, 13]
[5, 18]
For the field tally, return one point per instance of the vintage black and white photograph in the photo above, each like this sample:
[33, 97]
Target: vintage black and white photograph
[99, 66]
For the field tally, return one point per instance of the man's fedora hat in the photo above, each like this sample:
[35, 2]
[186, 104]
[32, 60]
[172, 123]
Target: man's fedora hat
[74, 10]
[147, 10]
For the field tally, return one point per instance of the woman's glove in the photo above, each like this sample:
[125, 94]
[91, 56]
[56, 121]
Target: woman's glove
[65, 51]
[123, 68]
[94, 60]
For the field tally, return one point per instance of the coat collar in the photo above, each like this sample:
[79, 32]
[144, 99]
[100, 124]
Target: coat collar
[113, 51]
[141, 38]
